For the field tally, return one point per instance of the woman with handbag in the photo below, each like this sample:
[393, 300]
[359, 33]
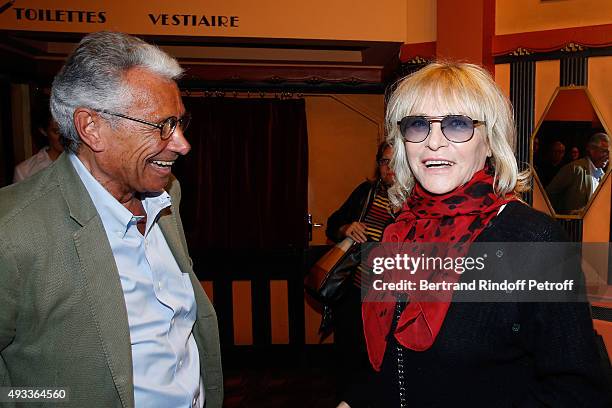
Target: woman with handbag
[361, 218]
[458, 182]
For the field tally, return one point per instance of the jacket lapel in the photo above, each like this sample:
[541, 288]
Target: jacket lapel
[103, 286]
[168, 225]
[588, 179]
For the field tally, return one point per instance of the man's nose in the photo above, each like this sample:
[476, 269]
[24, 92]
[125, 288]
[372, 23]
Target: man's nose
[178, 142]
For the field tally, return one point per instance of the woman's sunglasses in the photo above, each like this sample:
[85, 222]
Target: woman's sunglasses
[455, 128]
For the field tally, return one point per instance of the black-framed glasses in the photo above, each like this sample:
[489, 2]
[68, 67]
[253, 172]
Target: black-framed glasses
[166, 127]
[384, 162]
[455, 128]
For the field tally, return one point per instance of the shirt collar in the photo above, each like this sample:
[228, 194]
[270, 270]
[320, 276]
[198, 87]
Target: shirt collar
[113, 214]
[596, 172]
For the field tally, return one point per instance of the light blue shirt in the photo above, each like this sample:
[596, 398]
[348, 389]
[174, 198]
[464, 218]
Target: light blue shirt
[159, 299]
[596, 175]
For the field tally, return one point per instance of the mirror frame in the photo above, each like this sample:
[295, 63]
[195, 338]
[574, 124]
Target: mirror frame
[536, 178]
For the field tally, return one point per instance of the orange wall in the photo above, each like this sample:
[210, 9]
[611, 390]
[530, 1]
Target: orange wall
[465, 30]
[596, 224]
[596, 229]
[421, 21]
[547, 74]
[572, 105]
[502, 78]
[343, 134]
[279, 312]
[517, 16]
[313, 19]
[600, 88]
[538, 201]
[242, 313]
[413, 21]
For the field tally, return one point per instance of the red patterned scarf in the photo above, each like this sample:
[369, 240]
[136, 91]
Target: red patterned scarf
[455, 217]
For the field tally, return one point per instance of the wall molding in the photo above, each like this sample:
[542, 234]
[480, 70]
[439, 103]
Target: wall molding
[536, 45]
[541, 42]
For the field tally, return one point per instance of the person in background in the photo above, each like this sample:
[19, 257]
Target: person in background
[48, 129]
[349, 343]
[572, 187]
[98, 296]
[574, 153]
[458, 183]
[552, 162]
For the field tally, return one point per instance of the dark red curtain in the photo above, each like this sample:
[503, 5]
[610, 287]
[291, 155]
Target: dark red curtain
[245, 181]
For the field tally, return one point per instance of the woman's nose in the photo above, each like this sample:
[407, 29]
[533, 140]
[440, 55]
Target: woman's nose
[436, 138]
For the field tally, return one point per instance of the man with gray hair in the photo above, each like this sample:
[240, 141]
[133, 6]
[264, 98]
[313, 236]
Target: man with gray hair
[97, 292]
[572, 187]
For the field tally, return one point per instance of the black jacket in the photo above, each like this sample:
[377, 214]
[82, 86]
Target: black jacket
[349, 211]
[501, 354]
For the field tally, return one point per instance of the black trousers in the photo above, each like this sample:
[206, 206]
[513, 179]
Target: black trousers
[353, 370]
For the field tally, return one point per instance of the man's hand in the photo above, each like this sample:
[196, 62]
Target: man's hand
[356, 231]
[343, 405]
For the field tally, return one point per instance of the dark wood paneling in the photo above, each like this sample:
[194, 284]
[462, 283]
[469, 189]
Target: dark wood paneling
[573, 70]
[27, 57]
[259, 267]
[522, 96]
[573, 227]
[223, 302]
[292, 78]
[260, 298]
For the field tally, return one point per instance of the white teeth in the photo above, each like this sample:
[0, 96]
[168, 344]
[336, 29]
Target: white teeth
[430, 163]
[162, 163]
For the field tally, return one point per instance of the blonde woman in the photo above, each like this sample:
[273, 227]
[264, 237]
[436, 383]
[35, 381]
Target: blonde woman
[457, 181]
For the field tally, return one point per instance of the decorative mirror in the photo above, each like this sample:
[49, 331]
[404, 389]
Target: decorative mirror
[570, 150]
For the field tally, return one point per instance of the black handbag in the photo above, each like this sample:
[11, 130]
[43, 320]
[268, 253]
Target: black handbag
[328, 284]
[326, 279]
[334, 285]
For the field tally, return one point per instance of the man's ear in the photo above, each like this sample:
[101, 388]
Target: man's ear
[88, 125]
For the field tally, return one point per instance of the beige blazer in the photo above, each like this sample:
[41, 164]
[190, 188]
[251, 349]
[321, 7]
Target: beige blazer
[571, 187]
[63, 321]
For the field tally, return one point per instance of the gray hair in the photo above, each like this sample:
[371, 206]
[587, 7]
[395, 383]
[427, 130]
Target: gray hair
[597, 138]
[93, 74]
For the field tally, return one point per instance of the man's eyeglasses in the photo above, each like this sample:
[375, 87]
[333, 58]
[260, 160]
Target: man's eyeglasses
[384, 162]
[455, 128]
[166, 127]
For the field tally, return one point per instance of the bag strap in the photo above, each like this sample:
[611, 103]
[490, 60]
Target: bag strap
[368, 200]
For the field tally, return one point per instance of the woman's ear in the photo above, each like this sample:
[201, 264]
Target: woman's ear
[88, 125]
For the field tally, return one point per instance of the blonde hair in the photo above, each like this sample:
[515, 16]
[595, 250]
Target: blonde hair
[462, 88]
